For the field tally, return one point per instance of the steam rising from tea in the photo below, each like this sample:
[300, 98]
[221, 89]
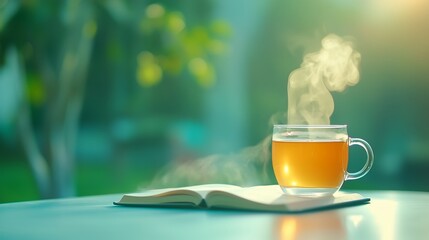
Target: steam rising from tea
[334, 67]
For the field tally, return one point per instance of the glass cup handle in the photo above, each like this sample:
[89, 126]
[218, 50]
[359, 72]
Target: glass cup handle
[369, 159]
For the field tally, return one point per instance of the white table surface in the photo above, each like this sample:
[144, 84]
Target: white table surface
[389, 215]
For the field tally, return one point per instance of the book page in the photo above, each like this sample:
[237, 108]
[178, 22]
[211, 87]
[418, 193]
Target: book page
[261, 194]
[204, 189]
[272, 198]
[192, 194]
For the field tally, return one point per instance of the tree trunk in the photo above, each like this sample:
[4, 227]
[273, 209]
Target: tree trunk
[64, 88]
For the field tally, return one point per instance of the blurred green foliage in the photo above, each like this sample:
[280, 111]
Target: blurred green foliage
[92, 179]
[174, 45]
[54, 42]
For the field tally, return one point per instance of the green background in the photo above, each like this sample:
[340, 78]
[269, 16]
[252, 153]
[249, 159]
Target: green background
[161, 84]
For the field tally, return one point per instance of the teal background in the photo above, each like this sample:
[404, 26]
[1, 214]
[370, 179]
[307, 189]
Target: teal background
[128, 129]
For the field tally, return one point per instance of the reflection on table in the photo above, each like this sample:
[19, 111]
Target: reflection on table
[390, 215]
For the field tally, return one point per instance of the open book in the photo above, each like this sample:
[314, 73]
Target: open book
[258, 198]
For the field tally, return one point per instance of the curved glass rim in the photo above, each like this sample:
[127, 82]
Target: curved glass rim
[320, 126]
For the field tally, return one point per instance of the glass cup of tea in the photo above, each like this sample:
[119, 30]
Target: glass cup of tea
[311, 160]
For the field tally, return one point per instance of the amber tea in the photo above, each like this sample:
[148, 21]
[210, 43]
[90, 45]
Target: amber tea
[312, 160]
[309, 163]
